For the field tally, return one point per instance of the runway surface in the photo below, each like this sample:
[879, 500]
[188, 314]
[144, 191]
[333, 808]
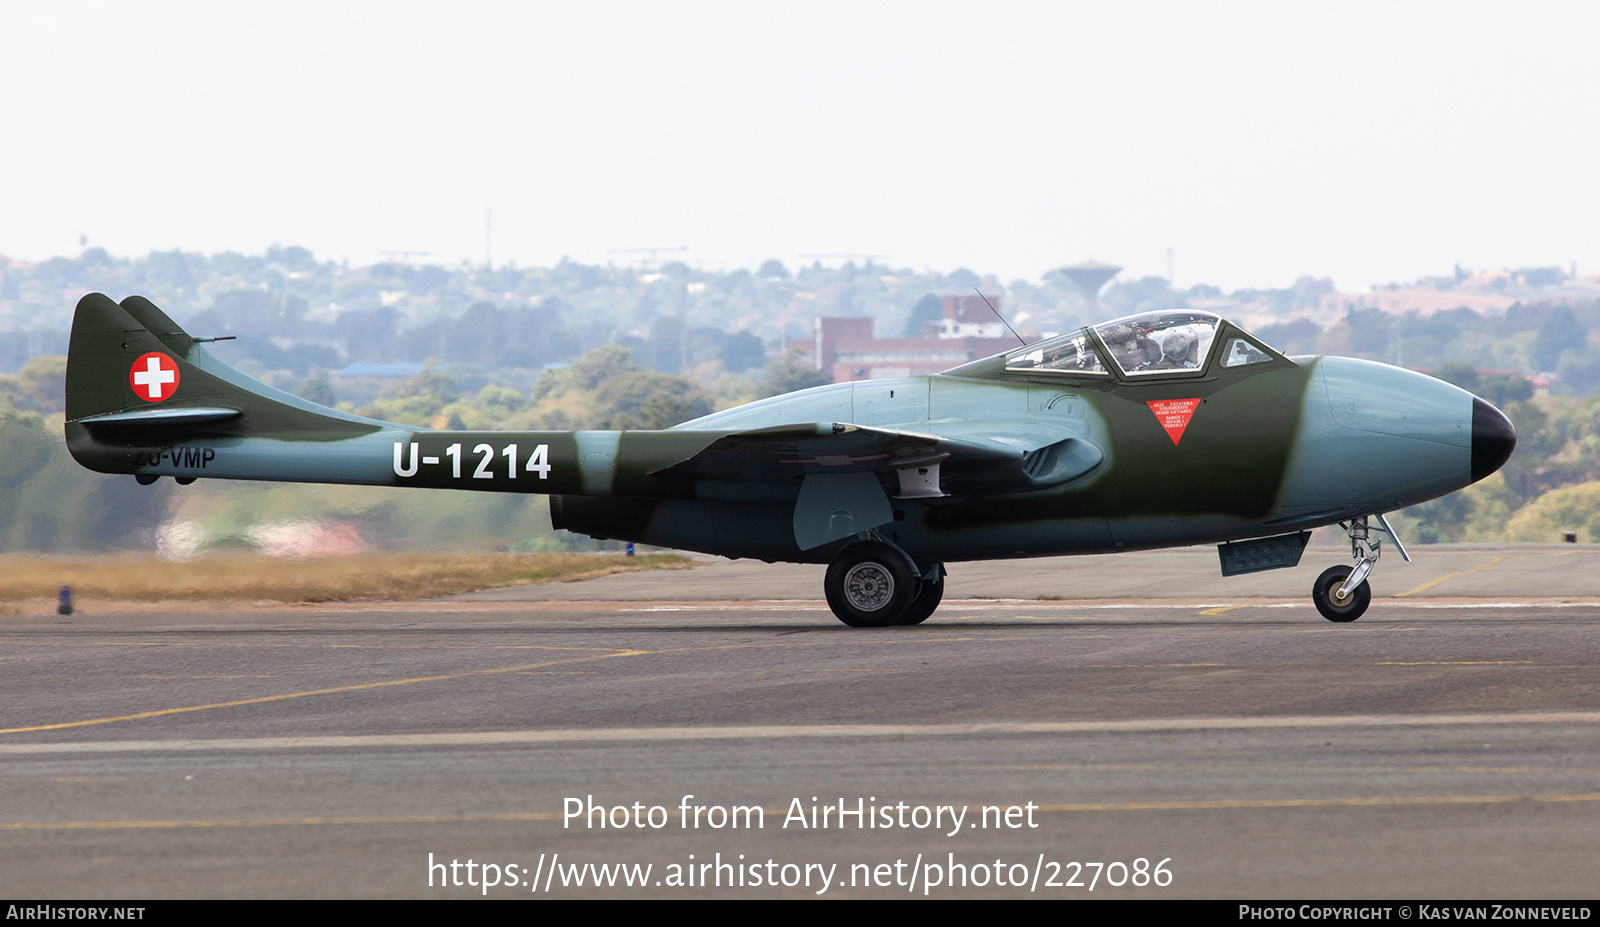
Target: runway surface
[1445, 745]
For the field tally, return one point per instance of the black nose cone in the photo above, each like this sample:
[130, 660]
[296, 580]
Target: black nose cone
[1493, 439]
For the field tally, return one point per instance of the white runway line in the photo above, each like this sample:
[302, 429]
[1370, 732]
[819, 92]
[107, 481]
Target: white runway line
[778, 732]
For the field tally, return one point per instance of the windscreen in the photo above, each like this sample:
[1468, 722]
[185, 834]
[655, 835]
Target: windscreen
[1159, 342]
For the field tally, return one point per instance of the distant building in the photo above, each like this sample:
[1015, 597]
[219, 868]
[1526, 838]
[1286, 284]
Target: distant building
[1091, 277]
[968, 330]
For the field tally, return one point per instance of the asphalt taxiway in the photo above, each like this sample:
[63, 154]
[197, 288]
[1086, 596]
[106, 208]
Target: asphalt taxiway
[1442, 746]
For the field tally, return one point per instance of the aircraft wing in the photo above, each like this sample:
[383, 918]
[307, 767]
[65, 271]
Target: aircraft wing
[838, 467]
[971, 459]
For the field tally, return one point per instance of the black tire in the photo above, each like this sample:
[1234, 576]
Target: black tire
[1349, 610]
[869, 585]
[927, 599]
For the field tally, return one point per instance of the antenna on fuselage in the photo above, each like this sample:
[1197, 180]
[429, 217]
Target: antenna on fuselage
[999, 316]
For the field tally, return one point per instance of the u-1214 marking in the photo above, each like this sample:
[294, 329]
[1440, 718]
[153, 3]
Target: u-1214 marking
[538, 461]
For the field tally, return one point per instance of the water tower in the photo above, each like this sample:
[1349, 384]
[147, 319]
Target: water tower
[1090, 276]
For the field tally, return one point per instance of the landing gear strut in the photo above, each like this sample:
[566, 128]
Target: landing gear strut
[1341, 593]
[872, 584]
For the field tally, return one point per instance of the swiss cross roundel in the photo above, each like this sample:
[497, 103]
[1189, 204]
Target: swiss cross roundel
[154, 377]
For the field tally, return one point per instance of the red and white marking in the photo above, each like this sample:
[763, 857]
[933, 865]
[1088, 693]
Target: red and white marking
[154, 377]
[1174, 415]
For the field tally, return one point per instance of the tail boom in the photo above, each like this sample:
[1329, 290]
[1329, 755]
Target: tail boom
[144, 398]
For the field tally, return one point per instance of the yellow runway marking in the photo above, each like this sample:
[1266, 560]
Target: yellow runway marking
[522, 669]
[1482, 566]
[1426, 586]
[1218, 611]
[328, 691]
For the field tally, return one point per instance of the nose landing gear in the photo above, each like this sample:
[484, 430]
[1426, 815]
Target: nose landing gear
[1341, 593]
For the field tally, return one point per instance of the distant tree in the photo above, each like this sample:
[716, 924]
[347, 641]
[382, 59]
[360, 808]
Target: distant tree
[1371, 331]
[293, 257]
[792, 373]
[667, 346]
[95, 257]
[1541, 276]
[371, 334]
[1297, 335]
[1443, 520]
[498, 401]
[962, 279]
[1560, 332]
[1527, 473]
[553, 383]
[742, 351]
[317, 389]
[40, 386]
[1502, 389]
[429, 280]
[1457, 373]
[599, 365]
[25, 445]
[929, 308]
[54, 505]
[644, 399]
[417, 400]
[1309, 291]
[1579, 372]
[773, 269]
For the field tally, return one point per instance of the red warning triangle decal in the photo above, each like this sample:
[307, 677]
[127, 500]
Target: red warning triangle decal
[1174, 415]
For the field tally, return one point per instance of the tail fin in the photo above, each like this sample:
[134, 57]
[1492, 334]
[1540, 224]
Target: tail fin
[131, 365]
[137, 382]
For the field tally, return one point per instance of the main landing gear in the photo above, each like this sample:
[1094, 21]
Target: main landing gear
[1341, 593]
[872, 584]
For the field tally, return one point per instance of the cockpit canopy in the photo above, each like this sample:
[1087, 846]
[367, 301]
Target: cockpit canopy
[1165, 342]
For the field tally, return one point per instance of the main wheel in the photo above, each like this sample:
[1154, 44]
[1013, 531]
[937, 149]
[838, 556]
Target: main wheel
[869, 585]
[927, 599]
[1326, 590]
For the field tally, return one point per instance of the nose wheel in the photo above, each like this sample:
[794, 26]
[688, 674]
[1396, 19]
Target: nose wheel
[1333, 602]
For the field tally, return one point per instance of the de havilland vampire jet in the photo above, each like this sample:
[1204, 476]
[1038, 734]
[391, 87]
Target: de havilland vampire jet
[1164, 429]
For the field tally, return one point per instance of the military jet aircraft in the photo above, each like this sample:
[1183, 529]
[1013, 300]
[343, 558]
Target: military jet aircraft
[1163, 429]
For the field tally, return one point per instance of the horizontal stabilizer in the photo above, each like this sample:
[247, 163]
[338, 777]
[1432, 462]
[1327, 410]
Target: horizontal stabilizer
[155, 419]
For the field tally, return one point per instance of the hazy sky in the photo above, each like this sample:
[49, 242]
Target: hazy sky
[1366, 142]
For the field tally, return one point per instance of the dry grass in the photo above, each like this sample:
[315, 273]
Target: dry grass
[365, 576]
